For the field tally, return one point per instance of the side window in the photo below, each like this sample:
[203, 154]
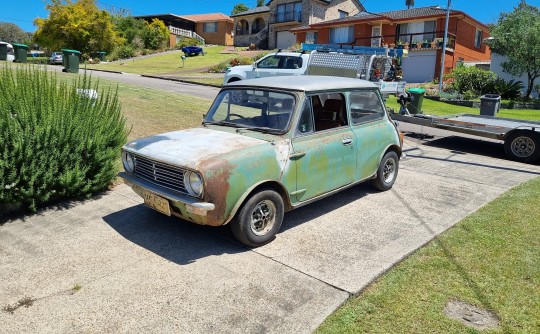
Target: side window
[291, 63]
[365, 106]
[329, 111]
[269, 62]
[305, 124]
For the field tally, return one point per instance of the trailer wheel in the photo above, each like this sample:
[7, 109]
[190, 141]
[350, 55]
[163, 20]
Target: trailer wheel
[523, 146]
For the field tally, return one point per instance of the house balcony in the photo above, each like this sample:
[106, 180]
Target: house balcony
[411, 42]
[286, 18]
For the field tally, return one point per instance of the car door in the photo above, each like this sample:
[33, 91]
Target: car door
[324, 156]
[276, 65]
[371, 131]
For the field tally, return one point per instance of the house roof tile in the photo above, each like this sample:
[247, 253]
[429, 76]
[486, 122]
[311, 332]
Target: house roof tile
[255, 10]
[208, 17]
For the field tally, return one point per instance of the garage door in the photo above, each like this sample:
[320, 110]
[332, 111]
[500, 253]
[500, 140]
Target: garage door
[419, 66]
[285, 39]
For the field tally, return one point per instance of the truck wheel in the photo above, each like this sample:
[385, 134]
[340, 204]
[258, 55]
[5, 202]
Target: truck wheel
[523, 146]
[259, 219]
[387, 172]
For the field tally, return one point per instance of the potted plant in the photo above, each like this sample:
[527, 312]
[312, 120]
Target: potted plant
[425, 44]
[400, 44]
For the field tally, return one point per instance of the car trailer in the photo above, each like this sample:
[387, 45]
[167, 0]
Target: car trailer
[521, 138]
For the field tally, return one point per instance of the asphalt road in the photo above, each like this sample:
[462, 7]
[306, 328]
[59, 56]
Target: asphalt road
[206, 92]
[112, 265]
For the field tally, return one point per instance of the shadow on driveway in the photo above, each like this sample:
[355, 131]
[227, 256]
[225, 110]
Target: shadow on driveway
[182, 242]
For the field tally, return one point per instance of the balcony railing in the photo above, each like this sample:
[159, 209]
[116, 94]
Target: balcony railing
[294, 16]
[410, 41]
[187, 33]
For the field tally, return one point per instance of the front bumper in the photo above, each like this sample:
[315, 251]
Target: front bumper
[183, 206]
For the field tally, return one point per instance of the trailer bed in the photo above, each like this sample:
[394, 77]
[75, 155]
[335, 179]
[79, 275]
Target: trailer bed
[484, 126]
[521, 138]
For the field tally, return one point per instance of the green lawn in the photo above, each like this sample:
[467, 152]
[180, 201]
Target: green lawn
[437, 108]
[168, 63]
[490, 259]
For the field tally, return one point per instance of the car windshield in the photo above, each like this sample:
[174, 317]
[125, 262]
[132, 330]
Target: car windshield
[257, 110]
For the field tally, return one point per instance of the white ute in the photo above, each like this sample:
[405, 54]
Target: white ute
[274, 64]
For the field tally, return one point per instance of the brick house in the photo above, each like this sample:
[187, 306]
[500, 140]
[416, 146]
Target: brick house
[419, 29]
[269, 26]
[215, 28]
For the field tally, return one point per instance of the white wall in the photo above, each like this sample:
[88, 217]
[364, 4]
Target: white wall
[496, 67]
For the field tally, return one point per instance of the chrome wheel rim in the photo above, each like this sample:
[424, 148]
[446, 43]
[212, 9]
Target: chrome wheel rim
[389, 170]
[523, 147]
[263, 217]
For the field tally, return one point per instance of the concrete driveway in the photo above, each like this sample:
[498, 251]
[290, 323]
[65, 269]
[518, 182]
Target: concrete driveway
[111, 265]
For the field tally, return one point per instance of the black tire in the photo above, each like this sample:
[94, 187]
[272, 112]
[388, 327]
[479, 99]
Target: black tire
[387, 172]
[523, 146]
[259, 219]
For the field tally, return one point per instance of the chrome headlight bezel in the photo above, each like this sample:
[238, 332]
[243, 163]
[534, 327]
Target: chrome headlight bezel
[193, 183]
[128, 161]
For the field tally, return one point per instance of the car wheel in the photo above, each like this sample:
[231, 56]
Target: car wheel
[387, 172]
[259, 219]
[523, 146]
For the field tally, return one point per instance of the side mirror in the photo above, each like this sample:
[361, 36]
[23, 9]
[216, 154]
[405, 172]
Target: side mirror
[254, 65]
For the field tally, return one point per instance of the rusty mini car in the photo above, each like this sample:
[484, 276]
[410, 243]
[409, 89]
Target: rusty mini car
[267, 146]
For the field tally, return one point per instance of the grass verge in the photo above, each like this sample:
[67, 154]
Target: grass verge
[490, 259]
[438, 108]
[167, 63]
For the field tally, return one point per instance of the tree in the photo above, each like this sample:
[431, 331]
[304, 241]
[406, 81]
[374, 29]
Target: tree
[239, 8]
[156, 34]
[409, 3]
[517, 36]
[12, 33]
[260, 3]
[76, 24]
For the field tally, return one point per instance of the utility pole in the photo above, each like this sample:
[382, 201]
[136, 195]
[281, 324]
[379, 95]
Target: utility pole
[445, 39]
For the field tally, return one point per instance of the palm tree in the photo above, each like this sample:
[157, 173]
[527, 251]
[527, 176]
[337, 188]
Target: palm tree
[409, 3]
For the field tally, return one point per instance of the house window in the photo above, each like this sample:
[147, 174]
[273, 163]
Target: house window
[242, 28]
[311, 37]
[478, 39]
[342, 14]
[341, 34]
[287, 12]
[414, 31]
[210, 27]
[257, 25]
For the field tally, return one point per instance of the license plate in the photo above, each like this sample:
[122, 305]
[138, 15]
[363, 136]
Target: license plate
[157, 203]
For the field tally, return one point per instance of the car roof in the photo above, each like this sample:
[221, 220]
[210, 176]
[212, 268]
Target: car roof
[305, 83]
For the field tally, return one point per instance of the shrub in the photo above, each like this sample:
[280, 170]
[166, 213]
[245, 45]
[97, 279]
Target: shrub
[56, 142]
[509, 90]
[472, 79]
[186, 41]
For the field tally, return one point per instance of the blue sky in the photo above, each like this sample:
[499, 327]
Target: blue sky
[23, 13]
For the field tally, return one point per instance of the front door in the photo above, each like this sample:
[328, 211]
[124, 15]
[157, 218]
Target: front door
[325, 158]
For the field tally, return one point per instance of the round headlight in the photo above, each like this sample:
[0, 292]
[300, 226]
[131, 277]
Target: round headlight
[193, 183]
[129, 162]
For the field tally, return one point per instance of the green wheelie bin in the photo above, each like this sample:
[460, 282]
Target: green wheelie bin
[417, 97]
[20, 52]
[71, 60]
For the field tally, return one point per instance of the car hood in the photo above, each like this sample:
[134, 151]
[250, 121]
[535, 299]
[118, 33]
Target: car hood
[241, 68]
[188, 148]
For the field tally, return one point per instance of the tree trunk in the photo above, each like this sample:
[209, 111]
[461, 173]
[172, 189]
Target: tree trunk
[530, 85]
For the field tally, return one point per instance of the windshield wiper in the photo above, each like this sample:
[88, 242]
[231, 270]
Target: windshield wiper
[236, 125]
[264, 129]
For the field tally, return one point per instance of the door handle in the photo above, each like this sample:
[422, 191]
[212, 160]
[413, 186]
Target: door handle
[347, 141]
[296, 155]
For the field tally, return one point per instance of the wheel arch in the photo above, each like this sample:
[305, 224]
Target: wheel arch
[263, 185]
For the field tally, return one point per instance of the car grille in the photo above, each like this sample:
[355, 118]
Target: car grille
[159, 173]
